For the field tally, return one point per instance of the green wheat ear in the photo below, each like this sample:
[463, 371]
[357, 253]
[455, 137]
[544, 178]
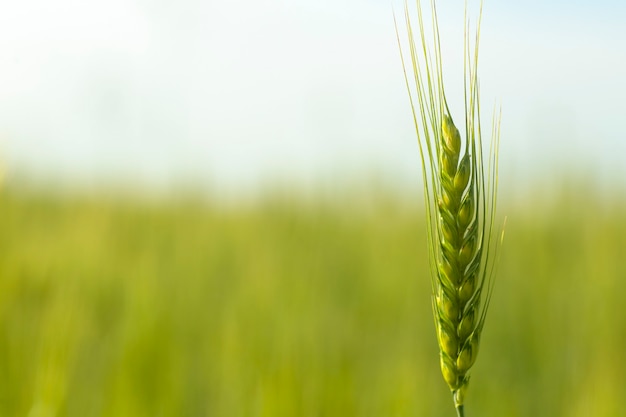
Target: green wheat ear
[460, 189]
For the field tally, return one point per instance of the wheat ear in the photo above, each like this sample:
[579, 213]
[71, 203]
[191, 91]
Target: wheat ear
[460, 191]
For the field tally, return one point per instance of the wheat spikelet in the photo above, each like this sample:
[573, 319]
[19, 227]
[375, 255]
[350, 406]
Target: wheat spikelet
[460, 193]
[457, 283]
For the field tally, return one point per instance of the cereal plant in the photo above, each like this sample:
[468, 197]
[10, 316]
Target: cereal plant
[460, 186]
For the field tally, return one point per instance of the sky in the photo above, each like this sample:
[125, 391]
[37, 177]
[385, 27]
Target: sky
[239, 94]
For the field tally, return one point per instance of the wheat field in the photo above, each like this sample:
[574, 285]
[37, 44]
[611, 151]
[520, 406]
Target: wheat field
[291, 306]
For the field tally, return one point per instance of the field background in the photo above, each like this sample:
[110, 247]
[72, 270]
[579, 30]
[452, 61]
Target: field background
[290, 306]
[297, 285]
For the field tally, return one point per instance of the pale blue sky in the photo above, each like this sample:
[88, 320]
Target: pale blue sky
[237, 94]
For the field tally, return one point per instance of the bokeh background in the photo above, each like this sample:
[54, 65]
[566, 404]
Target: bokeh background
[215, 209]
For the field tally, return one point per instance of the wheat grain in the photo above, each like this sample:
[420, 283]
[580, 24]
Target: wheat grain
[460, 191]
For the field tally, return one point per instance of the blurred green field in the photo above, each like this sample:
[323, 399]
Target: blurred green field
[294, 307]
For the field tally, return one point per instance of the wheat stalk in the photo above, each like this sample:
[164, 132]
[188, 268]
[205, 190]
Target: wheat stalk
[460, 189]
